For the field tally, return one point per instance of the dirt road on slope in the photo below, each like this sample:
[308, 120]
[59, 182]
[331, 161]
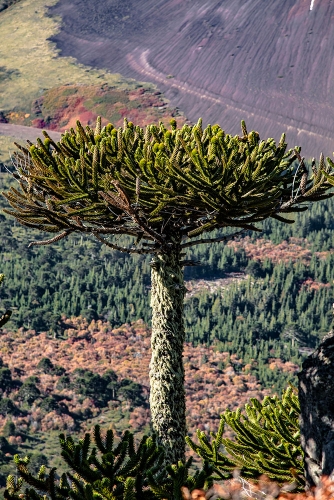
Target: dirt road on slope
[139, 62]
[20, 132]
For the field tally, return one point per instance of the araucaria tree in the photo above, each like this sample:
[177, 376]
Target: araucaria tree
[164, 188]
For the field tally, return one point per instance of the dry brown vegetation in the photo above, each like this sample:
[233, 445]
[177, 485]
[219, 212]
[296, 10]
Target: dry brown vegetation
[240, 489]
[213, 380]
[296, 249]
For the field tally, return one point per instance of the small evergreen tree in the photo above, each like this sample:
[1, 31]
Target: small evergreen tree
[107, 471]
[9, 429]
[28, 392]
[165, 188]
[267, 441]
[7, 407]
[45, 365]
[6, 316]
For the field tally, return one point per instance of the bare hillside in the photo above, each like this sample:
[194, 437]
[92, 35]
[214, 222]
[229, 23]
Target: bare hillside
[268, 62]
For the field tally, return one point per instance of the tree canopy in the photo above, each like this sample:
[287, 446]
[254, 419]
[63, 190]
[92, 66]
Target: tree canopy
[146, 183]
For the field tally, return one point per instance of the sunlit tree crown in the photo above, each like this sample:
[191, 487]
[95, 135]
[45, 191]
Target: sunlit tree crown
[154, 182]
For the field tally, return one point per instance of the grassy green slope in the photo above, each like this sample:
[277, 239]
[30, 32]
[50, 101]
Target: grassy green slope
[30, 63]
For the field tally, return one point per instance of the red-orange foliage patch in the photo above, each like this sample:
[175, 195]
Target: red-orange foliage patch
[292, 250]
[60, 107]
[213, 383]
[240, 489]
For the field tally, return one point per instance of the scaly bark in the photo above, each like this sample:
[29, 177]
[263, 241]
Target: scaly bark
[316, 396]
[167, 396]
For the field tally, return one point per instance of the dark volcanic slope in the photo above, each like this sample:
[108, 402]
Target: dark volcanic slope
[268, 61]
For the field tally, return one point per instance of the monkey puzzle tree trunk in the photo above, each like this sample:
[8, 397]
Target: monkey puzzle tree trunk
[167, 393]
[316, 396]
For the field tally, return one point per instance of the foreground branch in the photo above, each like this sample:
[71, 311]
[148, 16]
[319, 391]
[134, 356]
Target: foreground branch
[52, 240]
[212, 240]
[122, 249]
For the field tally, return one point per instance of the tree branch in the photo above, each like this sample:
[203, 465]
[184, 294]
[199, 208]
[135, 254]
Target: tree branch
[52, 240]
[147, 230]
[212, 240]
[190, 263]
[105, 230]
[132, 212]
[122, 249]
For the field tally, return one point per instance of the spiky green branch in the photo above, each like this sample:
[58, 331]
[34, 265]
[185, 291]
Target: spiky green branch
[267, 440]
[150, 182]
[108, 472]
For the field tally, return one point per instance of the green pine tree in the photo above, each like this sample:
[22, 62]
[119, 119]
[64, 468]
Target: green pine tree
[6, 316]
[165, 189]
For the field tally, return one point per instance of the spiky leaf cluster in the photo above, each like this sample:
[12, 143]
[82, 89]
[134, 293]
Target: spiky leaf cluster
[267, 440]
[324, 170]
[179, 476]
[107, 472]
[150, 183]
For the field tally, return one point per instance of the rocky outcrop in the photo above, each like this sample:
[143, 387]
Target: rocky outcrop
[222, 60]
[316, 396]
[4, 4]
[3, 119]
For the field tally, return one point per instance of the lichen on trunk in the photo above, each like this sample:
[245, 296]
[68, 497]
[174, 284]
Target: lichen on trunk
[167, 393]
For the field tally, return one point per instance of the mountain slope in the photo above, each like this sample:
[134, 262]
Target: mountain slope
[220, 59]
